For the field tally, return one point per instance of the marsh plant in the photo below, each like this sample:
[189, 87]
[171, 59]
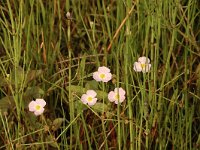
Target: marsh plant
[99, 74]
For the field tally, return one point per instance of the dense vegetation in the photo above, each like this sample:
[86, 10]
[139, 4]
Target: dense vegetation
[50, 49]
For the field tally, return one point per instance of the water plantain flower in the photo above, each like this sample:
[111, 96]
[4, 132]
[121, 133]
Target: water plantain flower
[37, 106]
[143, 65]
[89, 98]
[117, 96]
[103, 74]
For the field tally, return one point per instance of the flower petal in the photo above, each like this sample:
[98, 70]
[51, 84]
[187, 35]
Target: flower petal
[116, 101]
[91, 103]
[111, 96]
[92, 93]
[41, 102]
[122, 98]
[84, 98]
[137, 67]
[96, 76]
[120, 90]
[144, 60]
[32, 106]
[39, 112]
[108, 77]
[103, 69]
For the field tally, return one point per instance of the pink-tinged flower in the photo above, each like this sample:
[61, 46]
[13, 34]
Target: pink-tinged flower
[117, 96]
[103, 74]
[37, 106]
[143, 65]
[89, 98]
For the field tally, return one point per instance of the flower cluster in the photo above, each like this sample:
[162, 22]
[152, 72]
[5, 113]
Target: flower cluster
[102, 74]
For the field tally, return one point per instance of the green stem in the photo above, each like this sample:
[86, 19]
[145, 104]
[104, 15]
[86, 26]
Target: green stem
[102, 119]
[71, 103]
[118, 107]
[126, 56]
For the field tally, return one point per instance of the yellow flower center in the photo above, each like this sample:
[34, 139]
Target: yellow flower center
[143, 66]
[37, 107]
[117, 97]
[102, 76]
[89, 99]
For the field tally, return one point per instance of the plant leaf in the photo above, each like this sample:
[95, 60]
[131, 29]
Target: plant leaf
[6, 103]
[57, 123]
[99, 107]
[33, 74]
[91, 85]
[17, 76]
[4, 82]
[52, 141]
[33, 91]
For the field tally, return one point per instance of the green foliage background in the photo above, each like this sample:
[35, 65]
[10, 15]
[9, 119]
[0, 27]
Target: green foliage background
[46, 54]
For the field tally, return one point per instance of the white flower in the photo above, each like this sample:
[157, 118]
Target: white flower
[37, 106]
[89, 97]
[117, 96]
[103, 74]
[143, 65]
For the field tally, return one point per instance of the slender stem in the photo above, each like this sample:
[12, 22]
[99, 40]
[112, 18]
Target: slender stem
[71, 104]
[127, 56]
[174, 33]
[118, 113]
[103, 126]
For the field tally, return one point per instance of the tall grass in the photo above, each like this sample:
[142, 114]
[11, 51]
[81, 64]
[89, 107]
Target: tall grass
[49, 53]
